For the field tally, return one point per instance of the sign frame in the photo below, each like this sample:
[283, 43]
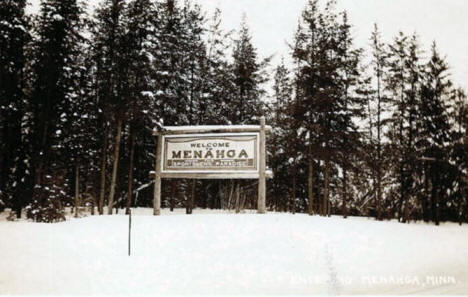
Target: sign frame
[214, 136]
[261, 174]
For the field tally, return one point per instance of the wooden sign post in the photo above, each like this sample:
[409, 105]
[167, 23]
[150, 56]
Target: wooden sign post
[261, 205]
[157, 179]
[212, 152]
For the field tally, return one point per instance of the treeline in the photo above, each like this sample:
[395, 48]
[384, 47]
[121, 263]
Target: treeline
[380, 135]
[80, 95]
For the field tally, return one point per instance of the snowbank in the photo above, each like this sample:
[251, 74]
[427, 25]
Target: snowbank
[219, 253]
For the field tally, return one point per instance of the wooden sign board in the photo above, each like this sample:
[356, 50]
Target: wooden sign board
[211, 152]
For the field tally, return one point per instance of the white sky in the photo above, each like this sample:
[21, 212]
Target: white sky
[273, 22]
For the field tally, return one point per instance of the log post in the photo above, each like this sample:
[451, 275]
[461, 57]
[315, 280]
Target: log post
[157, 179]
[261, 205]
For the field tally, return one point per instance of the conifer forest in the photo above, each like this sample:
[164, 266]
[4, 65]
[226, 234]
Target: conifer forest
[377, 131]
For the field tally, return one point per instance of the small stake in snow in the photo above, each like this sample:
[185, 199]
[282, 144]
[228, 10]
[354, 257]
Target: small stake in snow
[129, 229]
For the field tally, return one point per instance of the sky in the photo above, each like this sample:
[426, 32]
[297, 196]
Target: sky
[273, 22]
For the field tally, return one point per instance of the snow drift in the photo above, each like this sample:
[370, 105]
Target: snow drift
[221, 253]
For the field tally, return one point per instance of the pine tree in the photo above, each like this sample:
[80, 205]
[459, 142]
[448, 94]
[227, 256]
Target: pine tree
[414, 70]
[194, 54]
[459, 153]
[179, 64]
[282, 144]
[217, 85]
[216, 89]
[140, 34]
[435, 125]
[79, 126]
[396, 84]
[111, 85]
[352, 106]
[15, 181]
[168, 70]
[54, 88]
[248, 77]
[379, 63]
[305, 54]
[326, 105]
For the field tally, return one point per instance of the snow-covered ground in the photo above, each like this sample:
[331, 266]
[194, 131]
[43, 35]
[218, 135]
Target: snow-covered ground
[224, 253]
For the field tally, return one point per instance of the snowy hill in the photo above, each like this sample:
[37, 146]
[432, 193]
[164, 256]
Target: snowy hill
[214, 253]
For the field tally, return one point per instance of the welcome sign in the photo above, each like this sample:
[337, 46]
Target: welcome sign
[210, 153]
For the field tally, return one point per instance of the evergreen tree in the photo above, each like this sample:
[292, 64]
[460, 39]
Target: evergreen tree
[216, 87]
[140, 35]
[168, 69]
[305, 53]
[396, 84]
[217, 84]
[78, 128]
[248, 77]
[54, 87]
[459, 154]
[281, 144]
[193, 55]
[377, 121]
[352, 106]
[15, 181]
[326, 102]
[435, 126]
[111, 85]
[403, 82]
[414, 70]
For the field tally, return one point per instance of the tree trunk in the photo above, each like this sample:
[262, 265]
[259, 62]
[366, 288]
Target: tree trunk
[38, 181]
[424, 198]
[203, 199]
[437, 202]
[406, 211]
[39, 168]
[191, 198]
[242, 203]
[437, 208]
[215, 195]
[402, 194]
[378, 204]
[462, 184]
[231, 192]
[310, 183]
[171, 198]
[118, 137]
[430, 197]
[379, 149]
[93, 201]
[433, 200]
[401, 173]
[77, 189]
[222, 195]
[102, 192]
[221, 200]
[345, 192]
[327, 188]
[237, 198]
[293, 192]
[130, 171]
